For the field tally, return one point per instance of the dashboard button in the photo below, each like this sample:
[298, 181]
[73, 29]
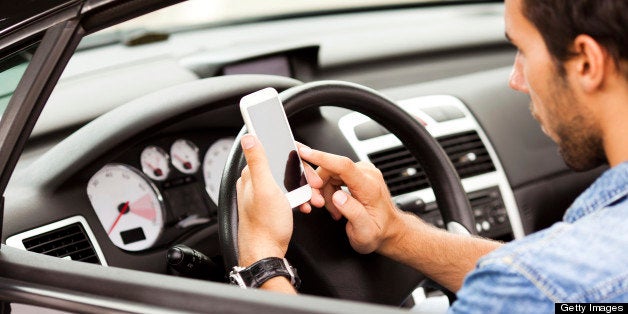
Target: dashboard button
[486, 226]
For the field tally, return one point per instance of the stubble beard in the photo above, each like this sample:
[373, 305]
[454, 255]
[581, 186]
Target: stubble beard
[581, 150]
[580, 142]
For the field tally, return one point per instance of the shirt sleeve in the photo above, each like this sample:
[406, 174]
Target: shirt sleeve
[497, 288]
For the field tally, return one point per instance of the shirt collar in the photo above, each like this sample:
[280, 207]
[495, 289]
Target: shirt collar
[606, 190]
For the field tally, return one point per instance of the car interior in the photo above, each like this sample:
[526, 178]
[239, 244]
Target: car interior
[126, 160]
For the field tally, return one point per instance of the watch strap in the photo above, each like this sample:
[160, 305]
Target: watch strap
[263, 270]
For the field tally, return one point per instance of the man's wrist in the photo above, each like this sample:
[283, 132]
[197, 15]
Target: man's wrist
[246, 262]
[259, 253]
[398, 229]
[279, 284]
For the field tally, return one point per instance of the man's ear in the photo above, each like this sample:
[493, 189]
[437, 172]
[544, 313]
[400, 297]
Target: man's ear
[590, 63]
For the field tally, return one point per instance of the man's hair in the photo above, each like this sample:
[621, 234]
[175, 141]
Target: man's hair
[561, 21]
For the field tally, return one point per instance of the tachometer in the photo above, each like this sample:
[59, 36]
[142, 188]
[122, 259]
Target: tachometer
[214, 164]
[128, 206]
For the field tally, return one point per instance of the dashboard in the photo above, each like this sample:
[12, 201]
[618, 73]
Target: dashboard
[163, 189]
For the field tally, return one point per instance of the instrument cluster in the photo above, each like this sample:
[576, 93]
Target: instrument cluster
[151, 198]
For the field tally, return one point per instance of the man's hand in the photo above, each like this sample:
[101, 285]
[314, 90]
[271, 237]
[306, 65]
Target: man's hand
[372, 217]
[375, 224]
[265, 216]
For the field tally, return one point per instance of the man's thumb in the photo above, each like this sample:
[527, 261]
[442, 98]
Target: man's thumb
[348, 206]
[255, 157]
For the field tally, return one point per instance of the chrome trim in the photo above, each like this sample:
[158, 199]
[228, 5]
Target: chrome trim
[289, 269]
[414, 106]
[68, 300]
[236, 277]
[16, 240]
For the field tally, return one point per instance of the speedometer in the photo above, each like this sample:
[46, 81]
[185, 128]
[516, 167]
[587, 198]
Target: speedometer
[214, 164]
[128, 206]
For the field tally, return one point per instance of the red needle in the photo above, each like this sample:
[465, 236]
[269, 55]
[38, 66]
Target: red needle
[156, 170]
[123, 211]
[186, 164]
[151, 166]
[179, 158]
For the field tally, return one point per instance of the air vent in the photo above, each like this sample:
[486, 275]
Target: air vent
[403, 173]
[468, 154]
[69, 242]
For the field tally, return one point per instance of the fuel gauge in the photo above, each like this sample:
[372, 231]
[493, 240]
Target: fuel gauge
[185, 156]
[155, 163]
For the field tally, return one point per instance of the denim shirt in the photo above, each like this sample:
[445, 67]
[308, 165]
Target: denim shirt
[584, 258]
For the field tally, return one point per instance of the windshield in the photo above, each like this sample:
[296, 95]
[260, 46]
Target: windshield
[12, 69]
[201, 12]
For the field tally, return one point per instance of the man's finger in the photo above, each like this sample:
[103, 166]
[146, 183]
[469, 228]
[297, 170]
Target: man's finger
[344, 167]
[245, 174]
[312, 177]
[329, 177]
[328, 193]
[255, 158]
[305, 208]
[317, 198]
[349, 207]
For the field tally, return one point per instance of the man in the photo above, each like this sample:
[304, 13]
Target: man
[572, 60]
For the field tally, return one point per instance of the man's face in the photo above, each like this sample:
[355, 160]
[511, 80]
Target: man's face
[555, 104]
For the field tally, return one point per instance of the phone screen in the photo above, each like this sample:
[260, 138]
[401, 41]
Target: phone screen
[274, 133]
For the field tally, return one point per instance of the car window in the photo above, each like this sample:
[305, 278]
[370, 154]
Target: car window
[12, 69]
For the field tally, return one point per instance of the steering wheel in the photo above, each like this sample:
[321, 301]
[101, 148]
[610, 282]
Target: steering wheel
[319, 247]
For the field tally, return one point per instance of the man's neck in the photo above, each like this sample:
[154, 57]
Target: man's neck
[615, 125]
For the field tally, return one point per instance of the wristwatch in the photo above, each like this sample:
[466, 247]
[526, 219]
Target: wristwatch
[263, 270]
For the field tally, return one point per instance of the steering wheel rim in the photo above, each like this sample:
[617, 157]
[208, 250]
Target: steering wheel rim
[340, 270]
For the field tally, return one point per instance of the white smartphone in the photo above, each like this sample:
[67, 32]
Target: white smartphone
[264, 116]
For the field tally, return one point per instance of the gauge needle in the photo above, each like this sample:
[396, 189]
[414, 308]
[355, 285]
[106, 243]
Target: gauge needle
[186, 164]
[123, 211]
[156, 170]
